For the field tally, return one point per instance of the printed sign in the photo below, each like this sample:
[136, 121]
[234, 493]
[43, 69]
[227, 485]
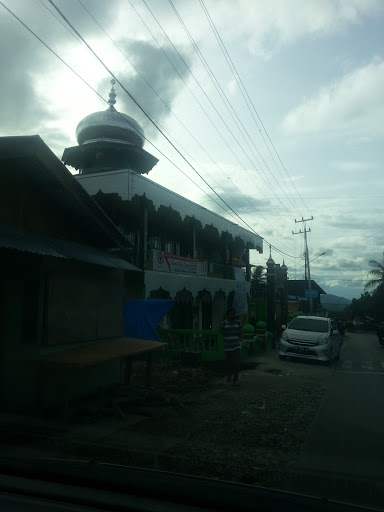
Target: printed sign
[167, 262]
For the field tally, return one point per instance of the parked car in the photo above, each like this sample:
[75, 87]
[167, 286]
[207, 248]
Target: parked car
[311, 337]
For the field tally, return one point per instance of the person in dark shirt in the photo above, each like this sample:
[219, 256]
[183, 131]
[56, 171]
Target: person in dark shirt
[232, 331]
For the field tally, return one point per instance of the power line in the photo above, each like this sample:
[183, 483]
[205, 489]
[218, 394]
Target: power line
[224, 97]
[229, 107]
[149, 85]
[60, 21]
[95, 91]
[198, 102]
[206, 96]
[243, 88]
[156, 126]
[222, 94]
[176, 117]
[69, 67]
[49, 48]
[101, 97]
[148, 116]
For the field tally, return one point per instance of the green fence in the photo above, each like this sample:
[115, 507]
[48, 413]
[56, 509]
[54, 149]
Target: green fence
[207, 345]
[258, 309]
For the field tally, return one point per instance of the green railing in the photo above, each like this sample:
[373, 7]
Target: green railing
[207, 345]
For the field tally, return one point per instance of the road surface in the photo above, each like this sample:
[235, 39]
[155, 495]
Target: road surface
[344, 454]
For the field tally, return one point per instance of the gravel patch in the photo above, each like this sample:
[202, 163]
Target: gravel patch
[252, 441]
[247, 434]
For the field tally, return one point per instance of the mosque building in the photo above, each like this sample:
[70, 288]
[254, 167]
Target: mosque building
[188, 253]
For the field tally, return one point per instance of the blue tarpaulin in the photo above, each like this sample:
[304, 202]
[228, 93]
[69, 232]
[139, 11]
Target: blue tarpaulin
[141, 317]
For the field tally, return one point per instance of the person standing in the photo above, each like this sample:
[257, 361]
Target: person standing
[232, 331]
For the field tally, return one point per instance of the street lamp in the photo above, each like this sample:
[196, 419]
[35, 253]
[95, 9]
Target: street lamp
[307, 264]
[309, 278]
[322, 254]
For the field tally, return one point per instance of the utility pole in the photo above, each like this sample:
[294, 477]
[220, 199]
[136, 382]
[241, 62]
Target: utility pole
[306, 256]
[305, 263]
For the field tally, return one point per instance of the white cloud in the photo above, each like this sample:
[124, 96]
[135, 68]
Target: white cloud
[263, 27]
[352, 141]
[353, 166]
[354, 101]
[267, 26]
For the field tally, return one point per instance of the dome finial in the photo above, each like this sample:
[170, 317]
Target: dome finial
[112, 96]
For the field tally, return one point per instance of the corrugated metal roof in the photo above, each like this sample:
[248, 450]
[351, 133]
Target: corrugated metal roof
[29, 160]
[128, 184]
[11, 238]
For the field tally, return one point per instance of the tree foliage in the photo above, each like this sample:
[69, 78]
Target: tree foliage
[258, 281]
[377, 273]
[370, 304]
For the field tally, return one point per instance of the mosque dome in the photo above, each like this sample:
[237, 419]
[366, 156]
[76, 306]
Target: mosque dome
[110, 125]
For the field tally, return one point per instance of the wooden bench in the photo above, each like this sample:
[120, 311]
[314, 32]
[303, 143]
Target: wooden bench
[90, 355]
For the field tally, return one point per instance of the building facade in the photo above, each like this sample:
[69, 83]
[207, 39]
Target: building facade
[64, 275]
[188, 253]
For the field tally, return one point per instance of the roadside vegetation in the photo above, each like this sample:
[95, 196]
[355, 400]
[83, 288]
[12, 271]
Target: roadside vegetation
[369, 308]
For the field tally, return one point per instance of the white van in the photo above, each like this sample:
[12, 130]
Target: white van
[311, 337]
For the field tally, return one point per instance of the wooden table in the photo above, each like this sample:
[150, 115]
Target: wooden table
[90, 355]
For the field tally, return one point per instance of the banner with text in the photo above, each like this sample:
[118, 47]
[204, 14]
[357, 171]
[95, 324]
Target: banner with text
[166, 262]
[240, 302]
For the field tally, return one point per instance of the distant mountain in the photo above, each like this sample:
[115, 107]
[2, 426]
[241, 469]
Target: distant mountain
[333, 303]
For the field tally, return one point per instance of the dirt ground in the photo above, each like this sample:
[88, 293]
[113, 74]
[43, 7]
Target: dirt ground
[190, 421]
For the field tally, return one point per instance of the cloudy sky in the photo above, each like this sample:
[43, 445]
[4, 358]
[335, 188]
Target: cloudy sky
[288, 124]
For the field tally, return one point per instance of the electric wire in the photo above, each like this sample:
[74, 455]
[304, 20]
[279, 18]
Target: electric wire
[105, 101]
[208, 99]
[242, 220]
[171, 111]
[231, 110]
[236, 76]
[155, 124]
[177, 118]
[94, 90]
[60, 21]
[100, 96]
[240, 81]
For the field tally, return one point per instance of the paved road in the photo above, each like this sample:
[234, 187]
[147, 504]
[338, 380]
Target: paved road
[344, 453]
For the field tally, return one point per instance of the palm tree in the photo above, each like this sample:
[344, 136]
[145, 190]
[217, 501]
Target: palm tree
[378, 273]
[258, 280]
